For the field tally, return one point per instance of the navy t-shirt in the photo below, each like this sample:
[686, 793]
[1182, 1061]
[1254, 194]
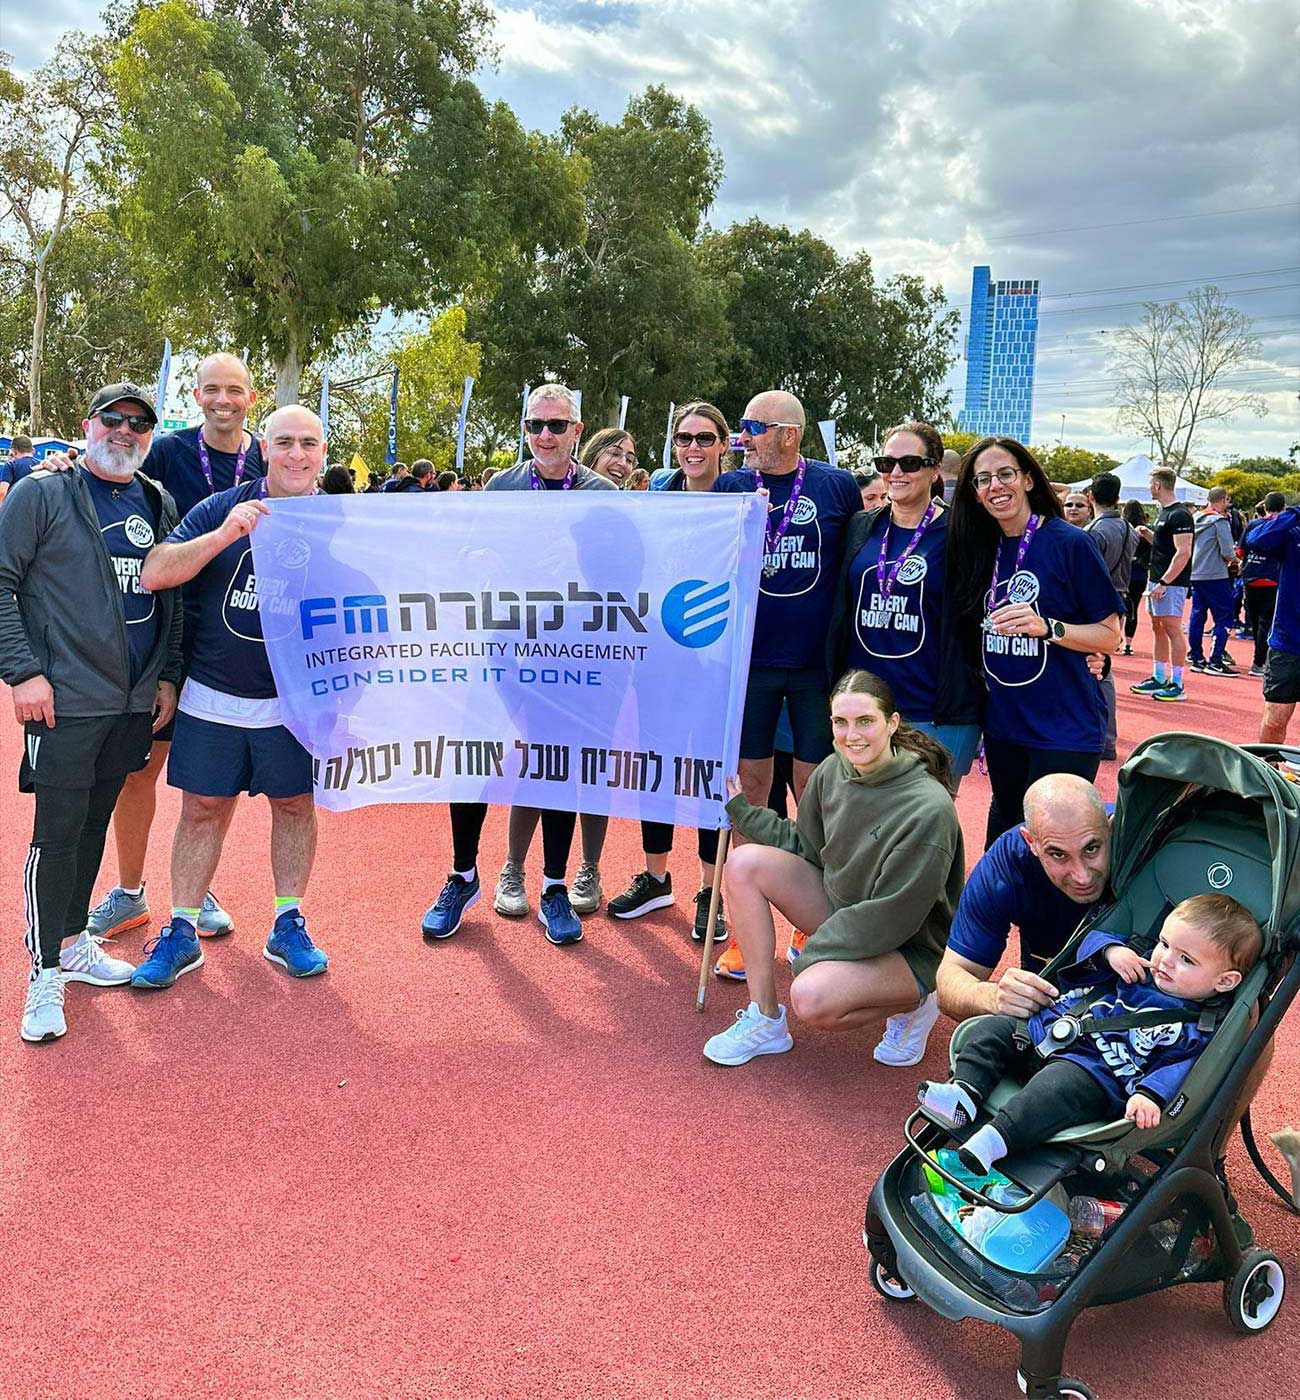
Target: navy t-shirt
[1009, 886]
[173, 462]
[1042, 696]
[898, 638]
[16, 468]
[795, 602]
[127, 526]
[228, 652]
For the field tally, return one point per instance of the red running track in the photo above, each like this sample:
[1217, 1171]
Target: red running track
[494, 1168]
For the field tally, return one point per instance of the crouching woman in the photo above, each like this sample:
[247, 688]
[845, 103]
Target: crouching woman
[871, 870]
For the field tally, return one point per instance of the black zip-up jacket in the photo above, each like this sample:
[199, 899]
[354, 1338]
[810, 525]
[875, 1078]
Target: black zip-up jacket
[960, 694]
[61, 612]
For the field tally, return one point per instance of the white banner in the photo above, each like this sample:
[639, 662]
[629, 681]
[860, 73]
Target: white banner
[568, 651]
[460, 425]
[827, 425]
[622, 411]
[668, 437]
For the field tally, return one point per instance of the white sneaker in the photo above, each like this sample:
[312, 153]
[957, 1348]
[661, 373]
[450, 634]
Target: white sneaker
[43, 1014]
[903, 1042]
[86, 961]
[511, 897]
[585, 894]
[751, 1034]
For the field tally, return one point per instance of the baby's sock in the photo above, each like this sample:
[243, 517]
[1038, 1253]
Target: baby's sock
[951, 1103]
[982, 1149]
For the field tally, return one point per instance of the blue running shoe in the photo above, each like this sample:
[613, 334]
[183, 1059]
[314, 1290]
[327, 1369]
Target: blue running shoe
[562, 924]
[174, 951]
[290, 948]
[458, 894]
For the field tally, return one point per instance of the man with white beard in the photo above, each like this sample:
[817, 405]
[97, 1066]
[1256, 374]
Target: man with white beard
[94, 661]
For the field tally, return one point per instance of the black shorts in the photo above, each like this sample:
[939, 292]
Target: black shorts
[807, 698]
[82, 753]
[1282, 677]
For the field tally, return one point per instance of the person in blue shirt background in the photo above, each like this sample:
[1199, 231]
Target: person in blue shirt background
[1278, 537]
[1035, 599]
[21, 463]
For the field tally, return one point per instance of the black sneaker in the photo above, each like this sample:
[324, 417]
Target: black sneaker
[1194, 664]
[701, 929]
[642, 896]
[1223, 667]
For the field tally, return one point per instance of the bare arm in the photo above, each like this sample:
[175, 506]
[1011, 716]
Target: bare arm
[965, 990]
[170, 565]
[1020, 619]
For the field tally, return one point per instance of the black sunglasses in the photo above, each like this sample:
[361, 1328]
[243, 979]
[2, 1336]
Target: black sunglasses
[556, 425]
[139, 423]
[685, 439]
[884, 465]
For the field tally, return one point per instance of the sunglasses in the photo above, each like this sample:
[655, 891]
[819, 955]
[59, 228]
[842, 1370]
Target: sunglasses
[755, 427]
[553, 425]
[139, 423]
[703, 439]
[884, 465]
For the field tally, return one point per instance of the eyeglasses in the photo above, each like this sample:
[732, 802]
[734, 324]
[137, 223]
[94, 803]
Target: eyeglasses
[885, 465]
[626, 454]
[703, 439]
[553, 425]
[139, 423]
[755, 427]
[1004, 476]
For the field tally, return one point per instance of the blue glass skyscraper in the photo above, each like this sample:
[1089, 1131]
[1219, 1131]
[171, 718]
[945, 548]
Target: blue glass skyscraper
[1000, 357]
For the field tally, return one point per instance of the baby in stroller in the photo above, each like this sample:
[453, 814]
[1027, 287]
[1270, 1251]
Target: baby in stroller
[1103, 1048]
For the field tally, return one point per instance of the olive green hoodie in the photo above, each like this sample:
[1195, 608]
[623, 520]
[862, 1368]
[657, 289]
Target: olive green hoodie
[890, 851]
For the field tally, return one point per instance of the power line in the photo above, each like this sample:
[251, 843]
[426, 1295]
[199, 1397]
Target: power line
[1176, 282]
[1134, 223]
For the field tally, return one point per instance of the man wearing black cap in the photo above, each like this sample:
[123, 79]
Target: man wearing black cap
[94, 661]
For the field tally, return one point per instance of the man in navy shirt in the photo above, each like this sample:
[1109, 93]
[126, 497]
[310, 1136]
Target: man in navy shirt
[20, 464]
[1042, 877]
[1278, 537]
[229, 735]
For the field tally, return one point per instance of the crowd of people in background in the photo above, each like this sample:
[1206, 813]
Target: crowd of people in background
[910, 615]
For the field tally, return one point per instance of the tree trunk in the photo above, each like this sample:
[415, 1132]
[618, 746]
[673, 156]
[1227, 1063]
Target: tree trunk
[42, 292]
[288, 372]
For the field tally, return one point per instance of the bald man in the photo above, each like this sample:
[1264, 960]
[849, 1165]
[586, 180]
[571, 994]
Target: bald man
[1043, 878]
[949, 467]
[191, 465]
[230, 737]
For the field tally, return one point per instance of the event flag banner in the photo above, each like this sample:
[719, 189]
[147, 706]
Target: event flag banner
[571, 652]
[668, 437]
[390, 455]
[460, 425]
[523, 414]
[164, 371]
[827, 426]
[622, 411]
[324, 414]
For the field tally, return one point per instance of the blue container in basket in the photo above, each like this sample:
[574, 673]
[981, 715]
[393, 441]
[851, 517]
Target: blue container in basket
[1028, 1242]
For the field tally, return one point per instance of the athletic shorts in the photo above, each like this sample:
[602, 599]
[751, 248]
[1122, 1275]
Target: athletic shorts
[1170, 605]
[807, 698]
[222, 760]
[1282, 677]
[82, 753]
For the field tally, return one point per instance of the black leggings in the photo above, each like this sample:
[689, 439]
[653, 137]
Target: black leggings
[1059, 1094]
[1261, 603]
[467, 820]
[1136, 588]
[1013, 768]
[657, 840]
[67, 847]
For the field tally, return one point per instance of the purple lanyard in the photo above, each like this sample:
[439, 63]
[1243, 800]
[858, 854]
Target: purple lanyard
[535, 481]
[206, 462]
[1025, 540]
[885, 579]
[772, 538]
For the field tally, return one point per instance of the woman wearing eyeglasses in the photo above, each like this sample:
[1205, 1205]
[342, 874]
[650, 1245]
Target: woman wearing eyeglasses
[610, 453]
[700, 445]
[1035, 598]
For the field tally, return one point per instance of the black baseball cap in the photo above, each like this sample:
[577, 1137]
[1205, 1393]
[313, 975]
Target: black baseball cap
[114, 393]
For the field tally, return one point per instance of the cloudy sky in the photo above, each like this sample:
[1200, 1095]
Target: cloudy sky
[1119, 151]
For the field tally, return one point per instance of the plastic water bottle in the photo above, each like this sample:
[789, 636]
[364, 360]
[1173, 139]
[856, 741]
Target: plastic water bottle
[1091, 1217]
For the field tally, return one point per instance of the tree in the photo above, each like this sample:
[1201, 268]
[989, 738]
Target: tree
[1064, 463]
[629, 310]
[48, 134]
[1173, 367]
[807, 320]
[1269, 466]
[1247, 487]
[337, 159]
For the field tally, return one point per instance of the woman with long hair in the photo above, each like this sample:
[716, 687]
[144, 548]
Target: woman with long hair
[872, 868]
[1137, 586]
[1034, 598]
[700, 446]
[610, 453]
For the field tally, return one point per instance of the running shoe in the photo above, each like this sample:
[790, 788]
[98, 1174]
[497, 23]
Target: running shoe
[750, 1035]
[175, 951]
[1173, 693]
[701, 929]
[458, 894]
[1256, 671]
[557, 917]
[1127, 650]
[587, 893]
[117, 912]
[43, 1013]
[797, 939]
[214, 922]
[1222, 667]
[290, 947]
[1148, 686]
[731, 965]
[1197, 663]
[511, 897]
[86, 961]
[906, 1034]
[644, 895]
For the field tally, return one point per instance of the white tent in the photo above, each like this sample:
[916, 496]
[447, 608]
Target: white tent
[1135, 476]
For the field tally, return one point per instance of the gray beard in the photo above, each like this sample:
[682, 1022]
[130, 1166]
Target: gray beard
[109, 460]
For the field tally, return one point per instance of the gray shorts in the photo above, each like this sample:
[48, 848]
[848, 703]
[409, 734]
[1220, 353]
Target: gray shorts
[1170, 605]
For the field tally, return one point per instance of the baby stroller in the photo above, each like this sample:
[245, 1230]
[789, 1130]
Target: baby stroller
[1195, 815]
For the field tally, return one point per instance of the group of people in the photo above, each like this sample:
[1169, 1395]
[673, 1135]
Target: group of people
[891, 641]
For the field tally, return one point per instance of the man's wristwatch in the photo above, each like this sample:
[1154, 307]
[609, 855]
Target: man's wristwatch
[1055, 630]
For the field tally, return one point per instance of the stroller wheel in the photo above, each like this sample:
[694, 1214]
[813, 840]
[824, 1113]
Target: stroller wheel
[889, 1285]
[1252, 1297]
[1066, 1388]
